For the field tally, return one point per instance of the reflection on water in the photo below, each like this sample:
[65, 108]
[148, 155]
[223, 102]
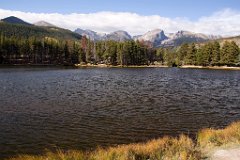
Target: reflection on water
[85, 108]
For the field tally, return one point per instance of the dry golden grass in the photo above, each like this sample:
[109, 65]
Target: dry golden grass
[209, 138]
[181, 148]
[70, 155]
[167, 148]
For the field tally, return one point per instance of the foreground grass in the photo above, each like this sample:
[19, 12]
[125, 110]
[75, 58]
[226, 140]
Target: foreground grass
[210, 138]
[167, 148]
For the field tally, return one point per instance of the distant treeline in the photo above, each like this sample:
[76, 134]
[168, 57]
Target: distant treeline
[32, 50]
[208, 54]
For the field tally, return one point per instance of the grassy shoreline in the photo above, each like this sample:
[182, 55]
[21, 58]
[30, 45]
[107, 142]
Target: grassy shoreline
[120, 66]
[211, 67]
[157, 66]
[166, 148]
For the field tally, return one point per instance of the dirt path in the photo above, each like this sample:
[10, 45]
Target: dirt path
[226, 154]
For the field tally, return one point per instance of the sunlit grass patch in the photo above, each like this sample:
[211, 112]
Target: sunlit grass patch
[166, 148]
[213, 138]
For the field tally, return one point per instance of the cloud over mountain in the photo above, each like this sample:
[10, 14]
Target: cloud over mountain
[224, 22]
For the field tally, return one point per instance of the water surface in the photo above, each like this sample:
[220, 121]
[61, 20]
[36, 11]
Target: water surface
[49, 108]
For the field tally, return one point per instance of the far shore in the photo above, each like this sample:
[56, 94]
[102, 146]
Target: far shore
[120, 66]
[157, 66]
[211, 67]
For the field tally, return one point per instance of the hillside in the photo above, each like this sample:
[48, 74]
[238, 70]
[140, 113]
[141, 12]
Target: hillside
[15, 20]
[235, 39]
[44, 24]
[26, 31]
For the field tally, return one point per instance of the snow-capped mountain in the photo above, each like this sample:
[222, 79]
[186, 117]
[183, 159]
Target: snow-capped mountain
[94, 36]
[176, 39]
[115, 36]
[155, 37]
[118, 36]
[43, 24]
[159, 39]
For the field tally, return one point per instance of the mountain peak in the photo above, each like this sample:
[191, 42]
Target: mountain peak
[155, 36]
[120, 31]
[184, 33]
[119, 35]
[44, 24]
[15, 20]
[92, 35]
[157, 30]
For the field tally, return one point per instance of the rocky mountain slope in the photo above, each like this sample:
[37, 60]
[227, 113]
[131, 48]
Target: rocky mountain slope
[44, 24]
[118, 36]
[157, 37]
[94, 36]
[13, 26]
[180, 37]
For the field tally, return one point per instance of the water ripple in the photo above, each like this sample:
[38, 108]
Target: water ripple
[86, 108]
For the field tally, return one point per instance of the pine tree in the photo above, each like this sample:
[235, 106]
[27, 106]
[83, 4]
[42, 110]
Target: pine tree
[89, 51]
[202, 57]
[66, 52]
[191, 55]
[1, 48]
[99, 51]
[233, 53]
[225, 52]
[75, 54]
[120, 54]
[216, 53]
[160, 55]
[182, 52]
[208, 51]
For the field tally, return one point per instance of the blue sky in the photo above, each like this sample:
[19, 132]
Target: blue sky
[190, 9]
[218, 17]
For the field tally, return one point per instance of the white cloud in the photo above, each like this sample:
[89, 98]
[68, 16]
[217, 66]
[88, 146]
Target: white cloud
[224, 22]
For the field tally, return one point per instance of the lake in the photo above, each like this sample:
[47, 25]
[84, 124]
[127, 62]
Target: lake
[57, 108]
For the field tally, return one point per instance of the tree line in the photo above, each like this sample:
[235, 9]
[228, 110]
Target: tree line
[32, 50]
[208, 54]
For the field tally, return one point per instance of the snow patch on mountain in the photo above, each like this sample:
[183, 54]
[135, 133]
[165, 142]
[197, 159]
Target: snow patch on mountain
[94, 36]
[119, 36]
[156, 37]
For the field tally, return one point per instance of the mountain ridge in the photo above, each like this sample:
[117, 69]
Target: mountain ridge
[156, 37]
[119, 35]
[43, 24]
[25, 31]
[15, 20]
